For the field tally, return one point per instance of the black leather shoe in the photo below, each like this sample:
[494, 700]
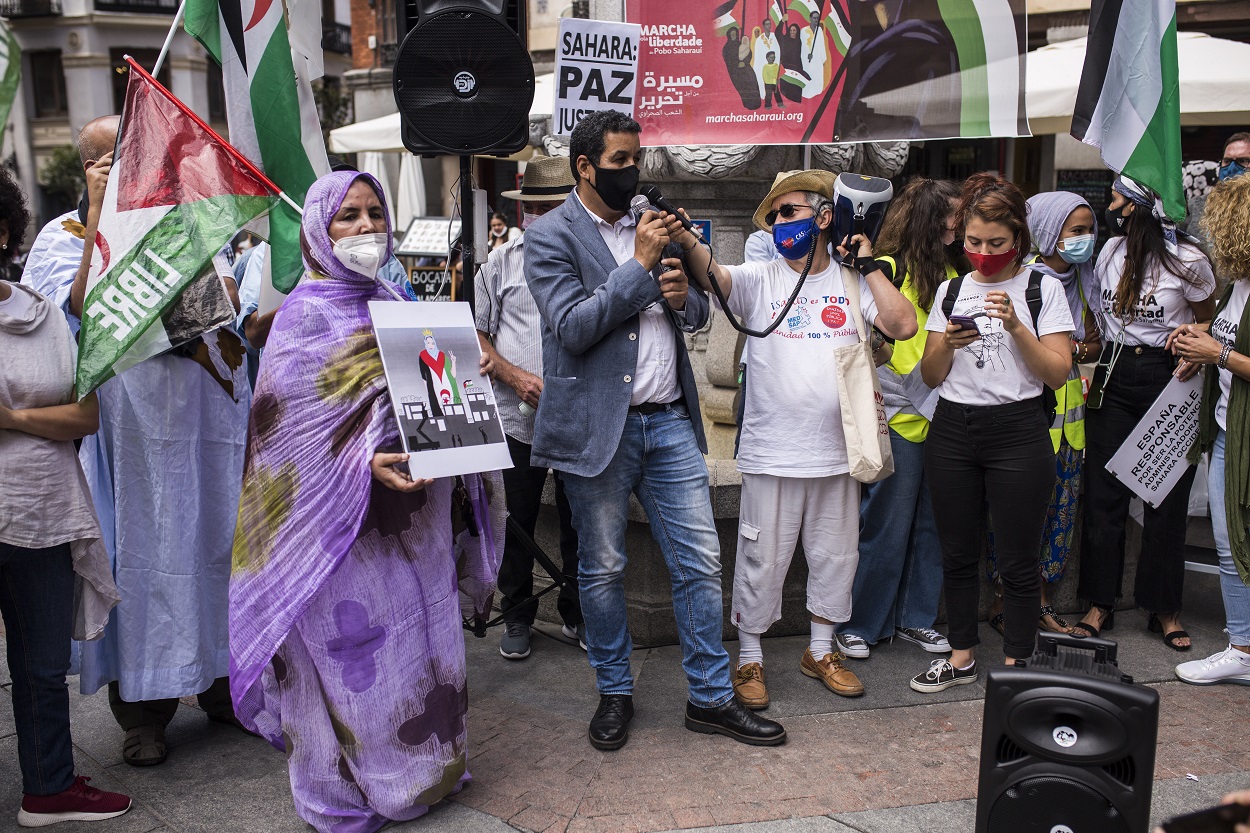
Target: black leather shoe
[609, 728]
[735, 721]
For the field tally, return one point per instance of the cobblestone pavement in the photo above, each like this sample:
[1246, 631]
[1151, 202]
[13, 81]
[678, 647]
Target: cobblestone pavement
[893, 760]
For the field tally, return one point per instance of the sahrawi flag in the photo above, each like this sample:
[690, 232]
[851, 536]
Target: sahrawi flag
[267, 70]
[176, 194]
[10, 61]
[1129, 102]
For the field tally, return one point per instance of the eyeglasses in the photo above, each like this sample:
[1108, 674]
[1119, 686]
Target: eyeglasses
[786, 211]
[1243, 161]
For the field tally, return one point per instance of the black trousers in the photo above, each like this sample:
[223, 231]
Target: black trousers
[1001, 455]
[523, 489]
[1136, 381]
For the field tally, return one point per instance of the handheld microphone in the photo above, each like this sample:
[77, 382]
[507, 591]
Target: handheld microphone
[639, 206]
[651, 193]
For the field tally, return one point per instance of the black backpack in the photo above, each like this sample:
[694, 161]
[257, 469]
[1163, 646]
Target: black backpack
[1032, 295]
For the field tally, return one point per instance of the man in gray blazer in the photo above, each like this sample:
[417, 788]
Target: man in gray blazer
[619, 414]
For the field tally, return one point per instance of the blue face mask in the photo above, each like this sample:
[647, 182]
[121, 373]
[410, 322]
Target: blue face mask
[1078, 249]
[794, 239]
[1231, 170]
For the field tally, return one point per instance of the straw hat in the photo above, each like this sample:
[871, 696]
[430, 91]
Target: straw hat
[819, 182]
[546, 179]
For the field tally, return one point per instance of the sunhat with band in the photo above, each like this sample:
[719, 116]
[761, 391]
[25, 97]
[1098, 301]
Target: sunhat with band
[818, 182]
[546, 179]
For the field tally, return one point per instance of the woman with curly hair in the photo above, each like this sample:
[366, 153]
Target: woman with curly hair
[1150, 280]
[898, 580]
[990, 436]
[1224, 429]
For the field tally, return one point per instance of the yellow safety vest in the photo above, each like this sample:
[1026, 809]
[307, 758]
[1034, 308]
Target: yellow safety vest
[1069, 418]
[907, 354]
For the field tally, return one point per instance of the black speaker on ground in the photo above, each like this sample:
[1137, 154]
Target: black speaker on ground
[1067, 744]
[463, 78]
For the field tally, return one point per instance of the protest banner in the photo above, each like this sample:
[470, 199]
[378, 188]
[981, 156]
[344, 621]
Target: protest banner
[162, 222]
[822, 71]
[448, 419]
[1153, 458]
[596, 69]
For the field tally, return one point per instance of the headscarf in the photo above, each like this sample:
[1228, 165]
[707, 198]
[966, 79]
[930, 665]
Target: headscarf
[1143, 197]
[324, 199]
[1048, 212]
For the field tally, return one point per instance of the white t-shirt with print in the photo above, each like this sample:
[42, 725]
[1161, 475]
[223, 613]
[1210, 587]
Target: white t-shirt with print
[792, 426]
[991, 371]
[1164, 302]
[1224, 330]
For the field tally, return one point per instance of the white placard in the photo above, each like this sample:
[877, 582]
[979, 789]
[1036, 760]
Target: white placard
[445, 406]
[1153, 457]
[428, 237]
[596, 69]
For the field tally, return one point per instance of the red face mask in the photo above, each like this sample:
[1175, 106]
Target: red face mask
[990, 265]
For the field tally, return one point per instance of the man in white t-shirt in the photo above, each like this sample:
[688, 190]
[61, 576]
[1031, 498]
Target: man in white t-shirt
[793, 454]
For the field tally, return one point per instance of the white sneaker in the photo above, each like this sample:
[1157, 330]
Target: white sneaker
[1228, 666]
[853, 646]
[926, 638]
[577, 634]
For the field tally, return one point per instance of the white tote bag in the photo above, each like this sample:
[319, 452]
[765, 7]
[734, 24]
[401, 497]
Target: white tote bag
[859, 394]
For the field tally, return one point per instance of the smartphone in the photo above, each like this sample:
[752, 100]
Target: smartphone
[1221, 819]
[965, 322]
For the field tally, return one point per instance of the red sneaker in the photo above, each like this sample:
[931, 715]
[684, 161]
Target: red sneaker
[79, 803]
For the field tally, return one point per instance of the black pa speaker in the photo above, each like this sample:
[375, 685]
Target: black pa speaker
[463, 78]
[1068, 743]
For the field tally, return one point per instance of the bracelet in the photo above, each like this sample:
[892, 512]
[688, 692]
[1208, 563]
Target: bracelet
[1222, 364]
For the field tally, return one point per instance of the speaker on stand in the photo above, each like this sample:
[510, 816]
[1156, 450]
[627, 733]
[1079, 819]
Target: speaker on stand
[1067, 744]
[464, 84]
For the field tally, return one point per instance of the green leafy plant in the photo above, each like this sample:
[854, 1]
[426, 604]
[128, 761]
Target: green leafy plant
[62, 173]
[334, 104]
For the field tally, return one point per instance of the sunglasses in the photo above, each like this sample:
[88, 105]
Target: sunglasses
[787, 211]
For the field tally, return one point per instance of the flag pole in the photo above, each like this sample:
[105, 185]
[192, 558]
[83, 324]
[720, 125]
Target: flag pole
[169, 39]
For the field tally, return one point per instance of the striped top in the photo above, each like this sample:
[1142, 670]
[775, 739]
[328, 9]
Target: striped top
[505, 310]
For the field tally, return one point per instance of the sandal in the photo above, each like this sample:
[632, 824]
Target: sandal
[1170, 638]
[1106, 618]
[144, 746]
[996, 622]
[1055, 624]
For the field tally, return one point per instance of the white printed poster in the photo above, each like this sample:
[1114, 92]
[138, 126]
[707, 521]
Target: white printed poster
[448, 419]
[1154, 456]
[596, 69]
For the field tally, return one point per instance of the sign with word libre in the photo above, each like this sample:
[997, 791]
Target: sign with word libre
[596, 69]
[1153, 458]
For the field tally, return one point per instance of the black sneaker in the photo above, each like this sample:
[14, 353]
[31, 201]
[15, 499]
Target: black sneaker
[515, 643]
[942, 675]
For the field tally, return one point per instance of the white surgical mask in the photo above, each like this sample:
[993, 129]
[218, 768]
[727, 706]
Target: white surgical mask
[527, 220]
[362, 253]
[498, 233]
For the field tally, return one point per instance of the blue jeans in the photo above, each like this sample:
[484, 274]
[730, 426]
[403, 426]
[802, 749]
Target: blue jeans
[1236, 593]
[899, 579]
[36, 601]
[658, 460]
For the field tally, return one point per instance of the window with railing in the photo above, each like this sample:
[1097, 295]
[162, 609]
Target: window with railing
[137, 6]
[336, 37]
[387, 32]
[30, 8]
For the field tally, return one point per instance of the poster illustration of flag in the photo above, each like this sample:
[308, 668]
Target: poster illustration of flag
[176, 194]
[824, 71]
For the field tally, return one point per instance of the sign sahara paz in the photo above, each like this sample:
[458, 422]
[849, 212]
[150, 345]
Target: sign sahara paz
[596, 69]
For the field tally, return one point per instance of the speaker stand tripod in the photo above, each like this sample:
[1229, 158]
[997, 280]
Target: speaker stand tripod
[467, 217]
[531, 548]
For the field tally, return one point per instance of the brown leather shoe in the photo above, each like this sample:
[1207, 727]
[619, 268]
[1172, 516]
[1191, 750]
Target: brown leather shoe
[749, 688]
[830, 670]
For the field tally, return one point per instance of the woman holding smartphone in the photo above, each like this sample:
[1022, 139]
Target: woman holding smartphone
[1003, 336]
[1150, 281]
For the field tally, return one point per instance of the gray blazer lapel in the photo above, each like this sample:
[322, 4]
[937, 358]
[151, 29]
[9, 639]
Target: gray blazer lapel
[586, 233]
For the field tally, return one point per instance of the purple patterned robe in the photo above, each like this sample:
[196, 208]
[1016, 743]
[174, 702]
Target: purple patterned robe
[345, 618]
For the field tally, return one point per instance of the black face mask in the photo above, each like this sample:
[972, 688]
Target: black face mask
[616, 186]
[1115, 218]
[954, 249]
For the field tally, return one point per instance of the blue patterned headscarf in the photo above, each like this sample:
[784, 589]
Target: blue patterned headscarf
[1143, 197]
